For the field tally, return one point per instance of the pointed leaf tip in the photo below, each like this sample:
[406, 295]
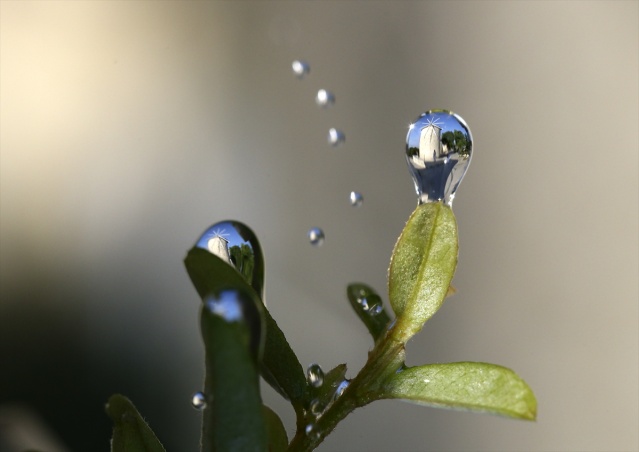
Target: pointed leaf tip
[130, 431]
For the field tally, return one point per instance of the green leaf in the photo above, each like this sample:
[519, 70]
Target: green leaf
[277, 439]
[130, 432]
[324, 395]
[233, 418]
[364, 301]
[279, 365]
[465, 385]
[422, 266]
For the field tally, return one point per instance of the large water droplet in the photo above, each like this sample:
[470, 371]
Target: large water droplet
[198, 401]
[316, 236]
[335, 137]
[324, 98]
[238, 306]
[315, 375]
[300, 68]
[356, 199]
[438, 150]
[236, 244]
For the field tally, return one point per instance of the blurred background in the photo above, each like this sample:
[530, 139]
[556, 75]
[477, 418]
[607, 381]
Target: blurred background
[127, 128]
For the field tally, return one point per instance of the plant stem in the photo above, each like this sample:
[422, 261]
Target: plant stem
[384, 359]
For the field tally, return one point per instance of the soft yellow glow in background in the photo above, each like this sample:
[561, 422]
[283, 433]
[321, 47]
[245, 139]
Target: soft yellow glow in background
[127, 128]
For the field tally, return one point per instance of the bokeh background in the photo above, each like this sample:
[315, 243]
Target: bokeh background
[128, 127]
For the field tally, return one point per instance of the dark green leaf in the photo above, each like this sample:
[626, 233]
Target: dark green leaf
[130, 432]
[466, 386]
[422, 266]
[279, 366]
[277, 439]
[365, 301]
[233, 420]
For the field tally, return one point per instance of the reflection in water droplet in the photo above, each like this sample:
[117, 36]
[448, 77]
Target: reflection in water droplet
[315, 375]
[300, 68]
[324, 98]
[375, 309]
[335, 137]
[236, 244]
[316, 236]
[340, 389]
[356, 199]
[438, 151]
[364, 303]
[198, 401]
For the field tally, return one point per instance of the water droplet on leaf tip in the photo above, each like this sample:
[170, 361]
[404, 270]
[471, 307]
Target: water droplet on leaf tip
[356, 199]
[198, 401]
[300, 68]
[316, 236]
[237, 245]
[315, 375]
[335, 137]
[439, 148]
[324, 98]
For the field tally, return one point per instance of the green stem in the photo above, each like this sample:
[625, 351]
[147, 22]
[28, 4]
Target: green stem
[385, 359]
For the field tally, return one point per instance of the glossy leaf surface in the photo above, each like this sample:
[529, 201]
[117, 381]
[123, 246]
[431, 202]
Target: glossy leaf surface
[376, 322]
[279, 365]
[464, 385]
[130, 432]
[422, 265]
[234, 421]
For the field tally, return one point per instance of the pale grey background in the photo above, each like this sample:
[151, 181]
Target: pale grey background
[127, 128]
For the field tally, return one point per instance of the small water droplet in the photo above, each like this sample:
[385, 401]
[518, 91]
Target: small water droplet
[236, 244]
[198, 401]
[335, 137]
[438, 151]
[340, 389]
[311, 432]
[316, 407]
[315, 375]
[356, 199]
[324, 98]
[375, 310]
[300, 68]
[316, 236]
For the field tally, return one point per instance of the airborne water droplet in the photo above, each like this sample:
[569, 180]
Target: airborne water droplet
[198, 401]
[335, 137]
[438, 151]
[300, 68]
[356, 199]
[324, 98]
[315, 375]
[316, 236]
